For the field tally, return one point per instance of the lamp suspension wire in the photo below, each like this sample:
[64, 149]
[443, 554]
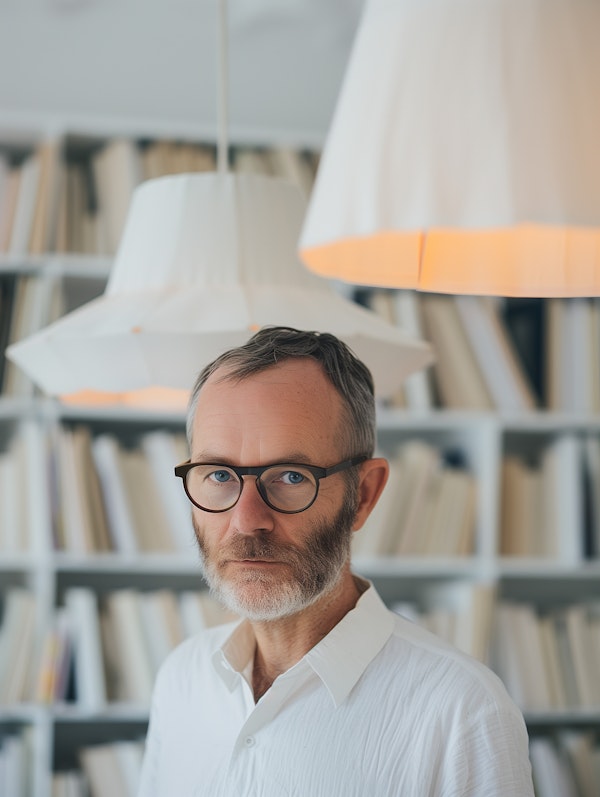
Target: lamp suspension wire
[222, 89]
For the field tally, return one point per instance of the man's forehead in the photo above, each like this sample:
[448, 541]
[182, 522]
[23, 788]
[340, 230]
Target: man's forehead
[288, 400]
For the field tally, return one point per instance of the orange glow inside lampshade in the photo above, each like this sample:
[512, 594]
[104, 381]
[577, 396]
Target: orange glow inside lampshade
[463, 154]
[164, 399]
[528, 260]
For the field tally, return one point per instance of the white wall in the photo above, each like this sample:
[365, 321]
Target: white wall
[149, 65]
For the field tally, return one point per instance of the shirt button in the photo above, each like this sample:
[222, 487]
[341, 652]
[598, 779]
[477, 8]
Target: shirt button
[250, 741]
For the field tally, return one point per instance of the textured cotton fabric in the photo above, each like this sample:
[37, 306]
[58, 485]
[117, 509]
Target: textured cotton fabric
[379, 707]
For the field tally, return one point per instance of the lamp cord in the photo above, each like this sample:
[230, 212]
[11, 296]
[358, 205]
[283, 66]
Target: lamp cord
[222, 89]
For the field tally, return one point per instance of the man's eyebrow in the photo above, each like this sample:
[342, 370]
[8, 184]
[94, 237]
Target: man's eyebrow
[291, 458]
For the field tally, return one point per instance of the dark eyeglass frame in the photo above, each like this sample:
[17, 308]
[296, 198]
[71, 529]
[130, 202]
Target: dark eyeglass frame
[319, 473]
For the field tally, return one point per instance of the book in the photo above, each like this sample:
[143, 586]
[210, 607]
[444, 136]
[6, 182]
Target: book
[163, 450]
[24, 208]
[100, 765]
[470, 606]
[582, 753]
[591, 457]
[458, 379]
[163, 627]
[117, 172]
[89, 485]
[135, 669]
[379, 535]
[594, 355]
[552, 774]
[418, 391]
[381, 302]
[11, 183]
[573, 696]
[519, 655]
[52, 675]
[107, 460]
[582, 655]
[27, 316]
[90, 685]
[520, 507]
[578, 364]
[43, 232]
[451, 530]
[14, 532]
[16, 644]
[252, 161]
[74, 514]
[549, 643]
[69, 784]
[498, 362]
[294, 166]
[422, 465]
[561, 531]
[150, 522]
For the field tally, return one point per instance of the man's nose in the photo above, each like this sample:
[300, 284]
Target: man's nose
[251, 515]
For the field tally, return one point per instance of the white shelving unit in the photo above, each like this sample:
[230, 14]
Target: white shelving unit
[481, 437]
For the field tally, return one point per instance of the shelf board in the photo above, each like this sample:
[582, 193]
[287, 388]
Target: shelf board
[186, 564]
[540, 569]
[418, 566]
[114, 712]
[57, 264]
[557, 718]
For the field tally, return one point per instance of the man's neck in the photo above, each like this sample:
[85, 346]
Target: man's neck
[282, 643]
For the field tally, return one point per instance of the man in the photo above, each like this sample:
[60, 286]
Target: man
[320, 690]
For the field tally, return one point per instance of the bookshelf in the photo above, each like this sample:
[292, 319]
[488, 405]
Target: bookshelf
[457, 592]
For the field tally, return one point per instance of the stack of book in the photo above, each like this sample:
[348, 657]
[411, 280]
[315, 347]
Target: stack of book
[67, 196]
[548, 660]
[566, 764]
[484, 362]
[108, 649]
[428, 508]
[550, 504]
[110, 497]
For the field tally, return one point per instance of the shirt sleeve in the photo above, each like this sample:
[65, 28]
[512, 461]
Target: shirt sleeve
[488, 756]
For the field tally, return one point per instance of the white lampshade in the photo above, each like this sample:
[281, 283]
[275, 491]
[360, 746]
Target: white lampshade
[205, 260]
[464, 152]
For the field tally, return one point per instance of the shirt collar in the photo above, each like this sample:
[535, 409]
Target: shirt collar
[234, 656]
[339, 659]
[344, 654]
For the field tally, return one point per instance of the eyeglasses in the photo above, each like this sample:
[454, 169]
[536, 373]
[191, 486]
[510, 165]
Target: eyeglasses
[287, 488]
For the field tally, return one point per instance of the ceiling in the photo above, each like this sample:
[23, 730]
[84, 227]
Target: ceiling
[150, 66]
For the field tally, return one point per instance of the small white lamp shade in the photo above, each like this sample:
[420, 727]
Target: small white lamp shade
[464, 152]
[205, 260]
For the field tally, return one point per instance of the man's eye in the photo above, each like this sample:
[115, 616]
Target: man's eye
[220, 476]
[292, 477]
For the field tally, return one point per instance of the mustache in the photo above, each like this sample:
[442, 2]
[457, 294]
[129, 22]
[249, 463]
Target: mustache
[258, 548]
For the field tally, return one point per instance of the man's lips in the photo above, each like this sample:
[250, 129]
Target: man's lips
[255, 562]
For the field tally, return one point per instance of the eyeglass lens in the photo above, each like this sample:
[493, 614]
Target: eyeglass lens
[285, 487]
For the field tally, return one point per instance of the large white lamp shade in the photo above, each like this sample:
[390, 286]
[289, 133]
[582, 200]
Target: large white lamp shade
[205, 260]
[464, 152]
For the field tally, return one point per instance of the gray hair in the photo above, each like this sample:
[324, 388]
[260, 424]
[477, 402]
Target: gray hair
[272, 345]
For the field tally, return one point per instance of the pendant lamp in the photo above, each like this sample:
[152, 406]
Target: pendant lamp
[464, 151]
[205, 261]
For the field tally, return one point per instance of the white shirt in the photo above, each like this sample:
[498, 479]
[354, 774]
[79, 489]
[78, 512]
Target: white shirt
[379, 707]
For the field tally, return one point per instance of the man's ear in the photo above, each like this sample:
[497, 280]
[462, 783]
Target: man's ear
[373, 477]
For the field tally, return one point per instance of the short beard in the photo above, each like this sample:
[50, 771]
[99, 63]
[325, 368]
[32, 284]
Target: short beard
[316, 567]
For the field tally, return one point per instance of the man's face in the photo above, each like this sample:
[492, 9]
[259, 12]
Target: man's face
[264, 564]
